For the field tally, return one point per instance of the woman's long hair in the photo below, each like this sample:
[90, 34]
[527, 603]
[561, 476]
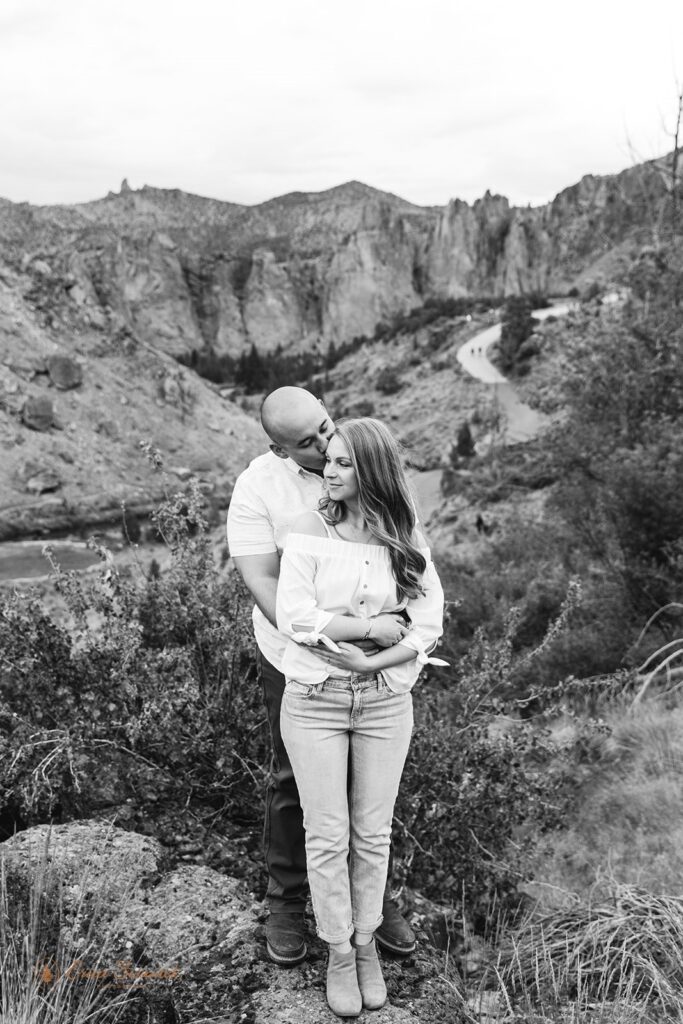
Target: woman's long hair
[384, 499]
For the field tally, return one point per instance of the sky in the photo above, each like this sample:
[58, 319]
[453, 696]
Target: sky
[430, 100]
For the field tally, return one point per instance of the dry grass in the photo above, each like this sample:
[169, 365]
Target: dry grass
[54, 968]
[624, 951]
[628, 820]
[604, 941]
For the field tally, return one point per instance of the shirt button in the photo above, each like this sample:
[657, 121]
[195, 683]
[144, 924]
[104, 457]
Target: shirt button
[362, 602]
[367, 563]
[365, 586]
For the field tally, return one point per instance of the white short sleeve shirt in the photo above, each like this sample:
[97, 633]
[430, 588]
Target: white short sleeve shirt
[267, 498]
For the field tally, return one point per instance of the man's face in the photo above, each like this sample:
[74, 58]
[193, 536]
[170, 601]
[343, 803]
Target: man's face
[306, 440]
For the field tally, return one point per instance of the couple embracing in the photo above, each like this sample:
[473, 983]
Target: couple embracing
[348, 605]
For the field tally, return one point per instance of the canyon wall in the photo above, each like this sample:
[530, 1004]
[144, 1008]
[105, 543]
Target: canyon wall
[181, 272]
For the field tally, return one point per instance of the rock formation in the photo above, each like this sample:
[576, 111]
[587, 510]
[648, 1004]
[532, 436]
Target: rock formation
[97, 300]
[181, 272]
[177, 940]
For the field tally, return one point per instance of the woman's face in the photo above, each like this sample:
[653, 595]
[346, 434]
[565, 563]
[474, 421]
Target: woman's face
[340, 476]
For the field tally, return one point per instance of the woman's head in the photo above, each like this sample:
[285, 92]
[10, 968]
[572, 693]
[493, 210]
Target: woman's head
[367, 447]
[363, 470]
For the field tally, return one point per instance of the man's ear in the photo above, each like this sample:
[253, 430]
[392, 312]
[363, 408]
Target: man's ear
[277, 450]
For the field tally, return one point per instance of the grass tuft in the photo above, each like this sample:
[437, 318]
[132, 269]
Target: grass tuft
[625, 950]
[56, 945]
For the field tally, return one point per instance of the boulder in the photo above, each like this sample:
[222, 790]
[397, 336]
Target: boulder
[38, 413]
[182, 941]
[11, 398]
[38, 477]
[65, 372]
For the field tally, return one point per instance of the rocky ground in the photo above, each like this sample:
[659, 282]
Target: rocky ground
[181, 941]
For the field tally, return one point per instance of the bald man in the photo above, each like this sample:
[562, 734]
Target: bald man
[269, 495]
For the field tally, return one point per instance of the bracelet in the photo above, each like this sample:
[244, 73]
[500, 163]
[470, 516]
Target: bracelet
[366, 636]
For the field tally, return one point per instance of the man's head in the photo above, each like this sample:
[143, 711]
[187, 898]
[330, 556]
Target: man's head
[298, 426]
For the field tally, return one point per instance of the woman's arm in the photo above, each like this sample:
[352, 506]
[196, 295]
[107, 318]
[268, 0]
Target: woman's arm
[355, 660]
[297, 609]
[426, 615]
[426, 610]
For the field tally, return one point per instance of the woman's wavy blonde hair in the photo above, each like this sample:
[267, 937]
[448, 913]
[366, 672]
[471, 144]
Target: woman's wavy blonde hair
[384, 499]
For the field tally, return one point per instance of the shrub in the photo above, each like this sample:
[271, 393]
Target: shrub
[158, 701]
[472, 799]
[465, 795]
[388, 381]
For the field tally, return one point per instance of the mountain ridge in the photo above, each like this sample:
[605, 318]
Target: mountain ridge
[122, 286]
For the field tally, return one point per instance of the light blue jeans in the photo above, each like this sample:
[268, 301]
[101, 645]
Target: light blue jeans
[347, 740]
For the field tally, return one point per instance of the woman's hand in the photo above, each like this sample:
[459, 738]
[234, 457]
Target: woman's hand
[350, 658]
[387, 629]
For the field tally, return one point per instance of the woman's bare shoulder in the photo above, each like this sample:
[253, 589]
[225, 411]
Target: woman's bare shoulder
[419, 539]
[309, 524]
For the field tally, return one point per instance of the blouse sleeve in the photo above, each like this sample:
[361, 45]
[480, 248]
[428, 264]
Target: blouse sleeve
[426, 615]
[297, 610]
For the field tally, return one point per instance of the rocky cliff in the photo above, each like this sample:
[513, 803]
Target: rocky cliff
[79, 391]
[183, 272]
[97, 299]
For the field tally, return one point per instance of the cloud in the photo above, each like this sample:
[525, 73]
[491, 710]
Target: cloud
[250, 102]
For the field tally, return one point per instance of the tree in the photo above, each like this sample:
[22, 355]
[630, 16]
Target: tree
[619, 449]
[464, 445]
[517, 325]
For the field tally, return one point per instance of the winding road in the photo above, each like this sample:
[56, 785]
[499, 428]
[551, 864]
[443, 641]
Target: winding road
[521, 421]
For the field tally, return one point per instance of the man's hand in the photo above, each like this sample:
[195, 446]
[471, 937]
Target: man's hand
[367, 646]
[387, 629]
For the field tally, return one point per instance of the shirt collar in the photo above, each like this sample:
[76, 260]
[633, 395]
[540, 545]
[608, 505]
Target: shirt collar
[294, 467]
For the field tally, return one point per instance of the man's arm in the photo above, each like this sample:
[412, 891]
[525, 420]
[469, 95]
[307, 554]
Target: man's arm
[260, 574]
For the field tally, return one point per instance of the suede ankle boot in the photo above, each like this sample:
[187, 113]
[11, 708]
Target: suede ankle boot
[343, 994]
[370, 978]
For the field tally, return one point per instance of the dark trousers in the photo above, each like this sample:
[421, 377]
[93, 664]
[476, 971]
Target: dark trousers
[283, 834]
[284, 838]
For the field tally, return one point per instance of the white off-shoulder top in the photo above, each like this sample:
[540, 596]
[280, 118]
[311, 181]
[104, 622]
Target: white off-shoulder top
[325, 576]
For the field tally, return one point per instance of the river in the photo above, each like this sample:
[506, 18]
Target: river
[23, 560]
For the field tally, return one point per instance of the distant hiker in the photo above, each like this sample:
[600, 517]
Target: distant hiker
[269, 496]
[480, 524]
[348, 571]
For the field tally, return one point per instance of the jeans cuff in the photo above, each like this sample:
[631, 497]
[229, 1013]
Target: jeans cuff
[334, 938]
[368, 929]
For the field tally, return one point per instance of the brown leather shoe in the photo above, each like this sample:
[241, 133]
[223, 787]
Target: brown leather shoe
[285, 939]
[395, 935]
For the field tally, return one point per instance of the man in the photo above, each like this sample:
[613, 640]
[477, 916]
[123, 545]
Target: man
[268, 496]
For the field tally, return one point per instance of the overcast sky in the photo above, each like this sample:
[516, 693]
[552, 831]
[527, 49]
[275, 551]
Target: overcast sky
[247, 100]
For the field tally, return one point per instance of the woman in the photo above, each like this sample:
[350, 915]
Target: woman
[358, 569]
